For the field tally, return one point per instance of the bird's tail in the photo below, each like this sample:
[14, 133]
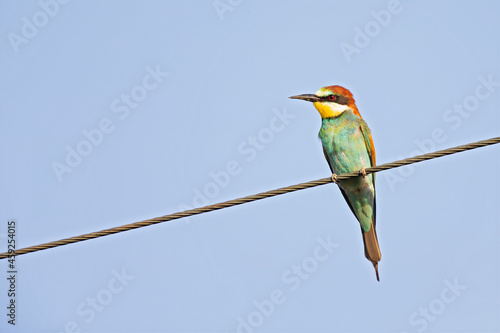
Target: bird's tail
[372, 250]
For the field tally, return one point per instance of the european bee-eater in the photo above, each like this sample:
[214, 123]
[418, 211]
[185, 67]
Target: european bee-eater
[348, 147]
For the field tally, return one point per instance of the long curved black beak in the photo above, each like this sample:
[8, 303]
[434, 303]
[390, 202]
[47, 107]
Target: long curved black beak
[307, 97]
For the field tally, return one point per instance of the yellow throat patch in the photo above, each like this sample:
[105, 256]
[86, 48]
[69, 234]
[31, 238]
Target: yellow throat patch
[329, 109]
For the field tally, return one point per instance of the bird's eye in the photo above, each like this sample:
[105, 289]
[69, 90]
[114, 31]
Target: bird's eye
[331, 97]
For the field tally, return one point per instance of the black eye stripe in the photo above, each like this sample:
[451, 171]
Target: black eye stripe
[338, 99]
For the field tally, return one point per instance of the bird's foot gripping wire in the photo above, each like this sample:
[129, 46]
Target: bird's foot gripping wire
[334, 179]
[362, 172]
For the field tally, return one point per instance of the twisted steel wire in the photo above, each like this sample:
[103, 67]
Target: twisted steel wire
[250, 198]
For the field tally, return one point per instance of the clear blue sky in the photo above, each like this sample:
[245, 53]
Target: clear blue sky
[117, 111]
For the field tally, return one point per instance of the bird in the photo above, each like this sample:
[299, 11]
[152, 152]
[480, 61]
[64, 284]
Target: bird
[348, 147]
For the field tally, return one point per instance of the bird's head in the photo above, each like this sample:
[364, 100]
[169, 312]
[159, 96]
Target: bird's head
[331, 101]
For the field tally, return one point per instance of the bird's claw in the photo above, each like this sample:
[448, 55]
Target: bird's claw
[362, 172]
[334, 179]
